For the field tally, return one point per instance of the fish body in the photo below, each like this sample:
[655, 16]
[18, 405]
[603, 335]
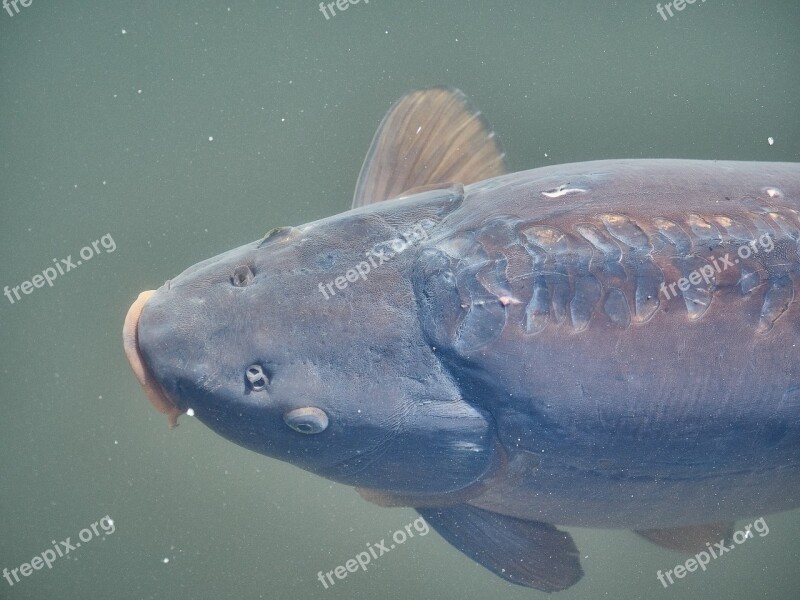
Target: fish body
[602, 344]
[621, 403]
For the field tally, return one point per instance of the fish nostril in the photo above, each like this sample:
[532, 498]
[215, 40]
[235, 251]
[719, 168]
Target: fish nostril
[242, 276]
[307, 420]
[257, 378]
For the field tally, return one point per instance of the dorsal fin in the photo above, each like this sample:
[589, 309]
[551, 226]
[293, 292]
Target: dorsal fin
[430, 136]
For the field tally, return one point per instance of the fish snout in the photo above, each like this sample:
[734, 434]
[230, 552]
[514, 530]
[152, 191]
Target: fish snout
[130, 339]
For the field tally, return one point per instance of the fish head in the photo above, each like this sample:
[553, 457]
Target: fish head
[265, 349]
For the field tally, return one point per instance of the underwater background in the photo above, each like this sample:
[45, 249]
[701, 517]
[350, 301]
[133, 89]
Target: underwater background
[158, 134]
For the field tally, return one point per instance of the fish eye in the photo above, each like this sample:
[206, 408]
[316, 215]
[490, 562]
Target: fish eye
[257, 378]
[242, 276]
[307, 420]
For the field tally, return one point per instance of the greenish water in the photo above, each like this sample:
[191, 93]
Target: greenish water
[107, 114]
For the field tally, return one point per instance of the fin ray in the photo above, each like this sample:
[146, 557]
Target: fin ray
[429, 137]
[527, 553]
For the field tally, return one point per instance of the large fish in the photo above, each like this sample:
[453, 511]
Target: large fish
[602, 344]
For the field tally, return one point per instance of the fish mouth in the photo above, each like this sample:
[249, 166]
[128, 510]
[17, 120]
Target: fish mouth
[130, 341]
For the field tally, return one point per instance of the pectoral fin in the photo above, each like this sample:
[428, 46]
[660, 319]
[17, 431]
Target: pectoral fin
[429, 137]
[690, 539]
[528, 553]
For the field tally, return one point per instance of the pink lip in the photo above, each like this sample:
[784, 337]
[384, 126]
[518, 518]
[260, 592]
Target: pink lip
[130, 339]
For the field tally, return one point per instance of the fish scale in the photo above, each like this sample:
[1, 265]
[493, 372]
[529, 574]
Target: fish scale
[612, 266]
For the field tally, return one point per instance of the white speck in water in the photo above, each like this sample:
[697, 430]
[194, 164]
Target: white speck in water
[165, 561]
[211, 138]
[138, 91]
[770, 140]
[124, 32]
